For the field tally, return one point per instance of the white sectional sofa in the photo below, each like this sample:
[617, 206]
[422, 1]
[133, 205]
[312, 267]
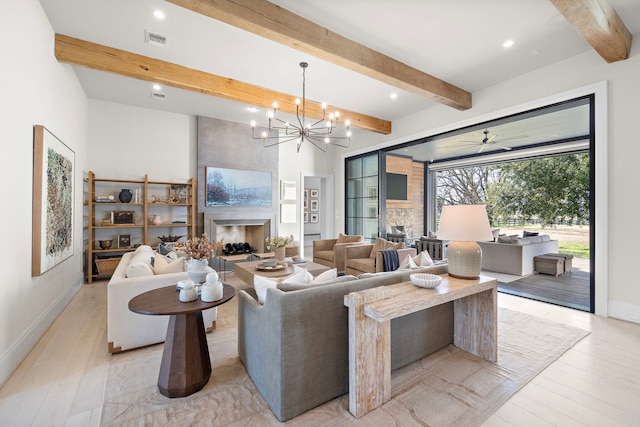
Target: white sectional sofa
[126, 329]
[515, 255]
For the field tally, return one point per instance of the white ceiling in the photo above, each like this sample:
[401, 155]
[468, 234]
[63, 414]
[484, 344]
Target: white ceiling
[458, 41]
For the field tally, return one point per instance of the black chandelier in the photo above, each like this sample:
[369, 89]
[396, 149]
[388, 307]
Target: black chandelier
[319, 133]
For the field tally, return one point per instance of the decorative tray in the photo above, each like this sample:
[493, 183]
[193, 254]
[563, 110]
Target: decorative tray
[265, 268]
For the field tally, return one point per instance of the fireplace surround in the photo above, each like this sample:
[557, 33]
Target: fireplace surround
[238, 228]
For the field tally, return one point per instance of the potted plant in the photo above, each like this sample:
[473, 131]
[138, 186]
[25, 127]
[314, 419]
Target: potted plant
[278, 244]
[199, 250]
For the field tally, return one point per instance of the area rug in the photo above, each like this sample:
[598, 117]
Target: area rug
[448, 388]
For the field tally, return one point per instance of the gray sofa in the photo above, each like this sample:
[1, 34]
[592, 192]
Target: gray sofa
[295, 347]
[515, 255]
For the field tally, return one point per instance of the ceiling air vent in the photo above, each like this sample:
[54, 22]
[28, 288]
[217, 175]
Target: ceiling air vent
[159, 95]
[155, 39]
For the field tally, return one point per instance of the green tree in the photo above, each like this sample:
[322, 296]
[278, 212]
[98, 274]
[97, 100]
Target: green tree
[550, 188]
[465, 186]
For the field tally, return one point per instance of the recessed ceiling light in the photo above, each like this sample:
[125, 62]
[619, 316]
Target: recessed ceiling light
[158, 14]
[508, 43]
[157, 87]
[252, 109]
[394, 95]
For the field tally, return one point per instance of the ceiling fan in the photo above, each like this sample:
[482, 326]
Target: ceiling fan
[486, 142]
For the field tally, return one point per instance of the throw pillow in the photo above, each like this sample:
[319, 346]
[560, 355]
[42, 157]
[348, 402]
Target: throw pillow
[143, 248]
[347, 238]
[140, 264]
[423, 259]
[324, 278]
[408, 262]
[164, 265]
[432, 235]
[496, 234]
[299, 278]
[261, 284]
[381, 243]
[526, 233]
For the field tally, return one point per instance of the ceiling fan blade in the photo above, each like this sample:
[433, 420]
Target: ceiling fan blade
[482, 148]
[492, 137]
[504, 147]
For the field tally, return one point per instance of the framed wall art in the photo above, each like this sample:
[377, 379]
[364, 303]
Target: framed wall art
[237, 187]
[122, 217]
[53, 200]
[179, 194]
[124, 240]
[314, 218]
[288, 190]
[314, 205]
[314, 193]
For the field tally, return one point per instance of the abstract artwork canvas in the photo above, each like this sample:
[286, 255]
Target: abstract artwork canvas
[237, 187]
[53, 200]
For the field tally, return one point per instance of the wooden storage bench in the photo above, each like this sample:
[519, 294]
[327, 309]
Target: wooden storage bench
[567, 259]
[548, 264]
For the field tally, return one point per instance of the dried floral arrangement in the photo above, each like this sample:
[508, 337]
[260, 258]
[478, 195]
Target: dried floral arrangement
[199, 247]
[278, 241]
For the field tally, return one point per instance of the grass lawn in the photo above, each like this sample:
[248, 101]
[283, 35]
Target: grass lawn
[578, 250]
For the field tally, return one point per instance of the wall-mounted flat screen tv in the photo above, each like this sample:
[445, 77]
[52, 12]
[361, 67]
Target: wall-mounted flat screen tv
[396, 186]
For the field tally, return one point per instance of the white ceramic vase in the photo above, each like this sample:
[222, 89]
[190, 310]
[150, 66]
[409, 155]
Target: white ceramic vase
[156, 220]
[198, 270]
[280, 254]
[211, 292]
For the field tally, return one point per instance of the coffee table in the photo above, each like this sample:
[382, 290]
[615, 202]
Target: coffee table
[246, 270]
[185, 366]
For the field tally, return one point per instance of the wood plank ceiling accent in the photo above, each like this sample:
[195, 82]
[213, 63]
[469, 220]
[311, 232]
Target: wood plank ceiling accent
[103, 58]
[275, 23]
[599, 24]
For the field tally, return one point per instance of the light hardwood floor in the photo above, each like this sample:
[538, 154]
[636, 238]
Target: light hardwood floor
[595, 383]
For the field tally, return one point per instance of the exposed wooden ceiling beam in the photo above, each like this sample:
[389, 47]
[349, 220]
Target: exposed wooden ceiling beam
[599, 24]
[103, 58]
[275, 23]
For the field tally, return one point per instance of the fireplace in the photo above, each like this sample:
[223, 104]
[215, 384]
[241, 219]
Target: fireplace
[253, 231]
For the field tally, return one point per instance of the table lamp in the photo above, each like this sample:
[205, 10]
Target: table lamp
[464, 225]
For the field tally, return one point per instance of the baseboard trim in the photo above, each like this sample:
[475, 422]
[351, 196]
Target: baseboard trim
[16, 353]
[624, 311]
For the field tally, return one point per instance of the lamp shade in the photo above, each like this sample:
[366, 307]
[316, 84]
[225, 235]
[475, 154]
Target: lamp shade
[464, 223]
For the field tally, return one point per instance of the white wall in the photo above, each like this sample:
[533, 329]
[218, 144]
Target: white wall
[623, 151]
[36, 89]
[127, 142]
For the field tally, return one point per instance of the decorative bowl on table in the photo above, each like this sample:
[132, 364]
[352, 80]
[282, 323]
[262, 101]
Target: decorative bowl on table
[272, 262]
[425, 280]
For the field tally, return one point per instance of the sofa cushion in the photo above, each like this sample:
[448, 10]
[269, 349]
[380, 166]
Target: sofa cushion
[521, 242]
[143, 248]
[165, 265]
[361, 264]
[496, 233]
[526, 233]
[141, 264]
[545, 237]
[325, 255]
[381, 244]
[348, 238]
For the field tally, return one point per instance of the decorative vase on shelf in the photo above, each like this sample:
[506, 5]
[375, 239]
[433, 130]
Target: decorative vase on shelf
[199, 270]
[125, 195]
[280, 253]
[156, 220]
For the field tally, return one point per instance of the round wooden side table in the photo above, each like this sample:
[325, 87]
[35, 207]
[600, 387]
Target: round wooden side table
[185, 366]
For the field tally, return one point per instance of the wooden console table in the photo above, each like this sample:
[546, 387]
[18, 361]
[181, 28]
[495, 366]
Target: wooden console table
[371, 310]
